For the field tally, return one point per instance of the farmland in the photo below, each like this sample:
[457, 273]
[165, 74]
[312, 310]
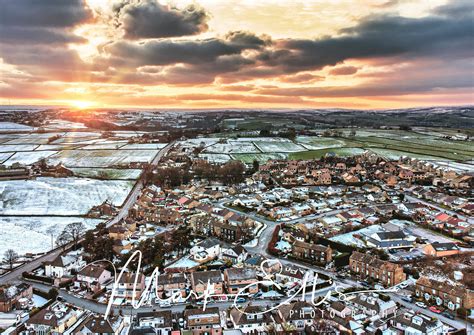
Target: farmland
[35, 234]
[59, 196]
[429, 144]
[37, 209]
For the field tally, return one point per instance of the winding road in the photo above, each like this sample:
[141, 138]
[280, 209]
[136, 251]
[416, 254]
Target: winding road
[122, 214]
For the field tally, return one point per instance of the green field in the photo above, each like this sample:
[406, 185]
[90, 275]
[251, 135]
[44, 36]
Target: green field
[392, 143]
[314, 154]
[262, 158]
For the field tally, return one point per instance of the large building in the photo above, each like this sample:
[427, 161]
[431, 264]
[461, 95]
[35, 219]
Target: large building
[311, 252]
[444, 294]
[367, 266]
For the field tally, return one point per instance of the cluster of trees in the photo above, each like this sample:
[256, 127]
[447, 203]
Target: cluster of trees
[289, 133]
[71, 234]
[97, 244]
[169, 176]
[156, 250]
[232, 172]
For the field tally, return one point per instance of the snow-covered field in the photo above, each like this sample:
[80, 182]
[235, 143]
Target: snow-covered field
[215, 158]
[59, 196]
[64, 124]
[316, 143]
[107, 145]
[32, 139]
[10, 126]
[33, 234]
[232, 147]
[4, 156]
[280, 146]
[29, 157]
[17, 147]
[261, 139]
[461, 167]
[142, 146]
[195, 142]
[101, 158]
[107, 173]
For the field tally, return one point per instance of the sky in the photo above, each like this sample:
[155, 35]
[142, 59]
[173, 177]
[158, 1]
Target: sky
[375, 54]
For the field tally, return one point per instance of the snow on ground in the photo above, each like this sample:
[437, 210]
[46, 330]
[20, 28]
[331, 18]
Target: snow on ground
[232, 147]
[283, 245]
[215, 158]
[59, 196]
[11, 126]
[36, 138]
[4, 156]
[141, 146]
[349, 239]
[184, 263]
[128, 133]
[82, 134]
[196, 142]
[57, 147]
[64, 124]
[461, 167]
[395, 154]
[279, 146]
[39, 301]
[29, 157]
[261, 139]
[262, 158]
[17, 147]
[107, 173]
[108, 145]
[101, 158]
[33, 234]
[316, 143]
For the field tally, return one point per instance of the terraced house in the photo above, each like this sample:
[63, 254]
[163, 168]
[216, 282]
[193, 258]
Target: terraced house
[237, 279]
[203, 322]
[314, 253]
[444, 293]
[368, 266]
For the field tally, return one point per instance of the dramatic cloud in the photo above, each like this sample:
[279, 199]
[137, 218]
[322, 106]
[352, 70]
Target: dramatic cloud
[149, 19]
[343, 70]
[41, 22]
[143, 43]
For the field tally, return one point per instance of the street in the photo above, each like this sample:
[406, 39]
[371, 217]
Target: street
[51, 255]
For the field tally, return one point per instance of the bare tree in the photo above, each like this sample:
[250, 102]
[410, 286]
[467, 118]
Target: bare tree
[10, 257]
[71, 233]
[63, 239]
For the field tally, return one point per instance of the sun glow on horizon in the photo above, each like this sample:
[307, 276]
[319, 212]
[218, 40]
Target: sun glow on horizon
[81, 104]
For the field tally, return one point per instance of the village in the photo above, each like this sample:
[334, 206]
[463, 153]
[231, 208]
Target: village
[251, 235]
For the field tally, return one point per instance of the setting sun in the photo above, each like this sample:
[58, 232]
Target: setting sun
[81, 104]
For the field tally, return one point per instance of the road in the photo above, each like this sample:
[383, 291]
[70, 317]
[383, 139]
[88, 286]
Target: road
[266, 234]
[411, 198]
[123, 212]
[97, 307]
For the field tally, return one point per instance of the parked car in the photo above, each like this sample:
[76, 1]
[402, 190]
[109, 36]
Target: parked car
[421, 304]
[434, 309]
[403, 285]
[257, 295]
[448, 315]
[407, 299]
[241, 300]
